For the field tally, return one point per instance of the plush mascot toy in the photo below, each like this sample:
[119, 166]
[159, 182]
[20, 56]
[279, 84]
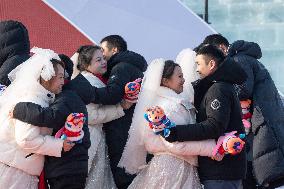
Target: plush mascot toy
[246, 115]
[72, 129]
[229, 144]
[132, 90]
[158, 121]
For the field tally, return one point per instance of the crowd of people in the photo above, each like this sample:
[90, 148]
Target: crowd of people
[66, 123]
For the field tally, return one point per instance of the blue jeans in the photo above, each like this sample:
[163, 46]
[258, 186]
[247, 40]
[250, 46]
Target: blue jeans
[222, 184]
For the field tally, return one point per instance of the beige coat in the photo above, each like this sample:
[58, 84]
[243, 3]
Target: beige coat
[97, 115]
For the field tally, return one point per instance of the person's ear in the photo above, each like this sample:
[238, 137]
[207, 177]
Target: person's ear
[223, 48]
[165, 82]
[114, 50]
[212, 64]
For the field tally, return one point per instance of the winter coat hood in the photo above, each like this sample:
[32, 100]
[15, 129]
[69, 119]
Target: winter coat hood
[243, 47]
[128, 57]
[14, 40]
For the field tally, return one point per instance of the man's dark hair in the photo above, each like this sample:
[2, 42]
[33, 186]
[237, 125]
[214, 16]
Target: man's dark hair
[198, 47]
[115, 41]
[212, 52]
[216, 39]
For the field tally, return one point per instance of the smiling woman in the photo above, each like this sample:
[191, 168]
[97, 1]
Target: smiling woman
[91, 59]
[172, 76]
[37, 80]
[91, 62]
[55, 84]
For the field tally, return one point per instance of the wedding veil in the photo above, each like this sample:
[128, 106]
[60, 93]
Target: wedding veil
[74, 58]
[25, 77]
[134, 154]
[187, 63]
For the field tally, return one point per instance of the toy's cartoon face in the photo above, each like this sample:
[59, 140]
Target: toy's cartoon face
[132, 88]
[234, 145]
[75, 122]
[155, 114]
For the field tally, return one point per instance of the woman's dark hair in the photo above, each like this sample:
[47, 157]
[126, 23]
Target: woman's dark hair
[169, 69]
[57, 62]
[86, 54]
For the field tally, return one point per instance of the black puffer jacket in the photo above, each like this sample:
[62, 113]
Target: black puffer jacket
[122, 68]
[76, 160]
[268, 113]
[218, 112]
[14, 48]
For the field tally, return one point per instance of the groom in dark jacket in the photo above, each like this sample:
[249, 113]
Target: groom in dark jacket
[266, 152]
[218, 112]
[123, 66]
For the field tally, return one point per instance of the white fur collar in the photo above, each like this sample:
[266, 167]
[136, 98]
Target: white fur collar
[39, 95]
[93, 80]
[170, 94]
[49, 96]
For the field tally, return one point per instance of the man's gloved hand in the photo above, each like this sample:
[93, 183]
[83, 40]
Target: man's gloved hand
[172, 136]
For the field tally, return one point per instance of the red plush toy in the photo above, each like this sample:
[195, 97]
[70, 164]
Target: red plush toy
[246, 115]
[229, 144]
[132, 90]
[72, 129]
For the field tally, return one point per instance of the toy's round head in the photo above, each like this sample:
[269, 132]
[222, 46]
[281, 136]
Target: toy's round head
[155, 114]
[132, 88]
[245, 103]
[233, 145]
[75, 122]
